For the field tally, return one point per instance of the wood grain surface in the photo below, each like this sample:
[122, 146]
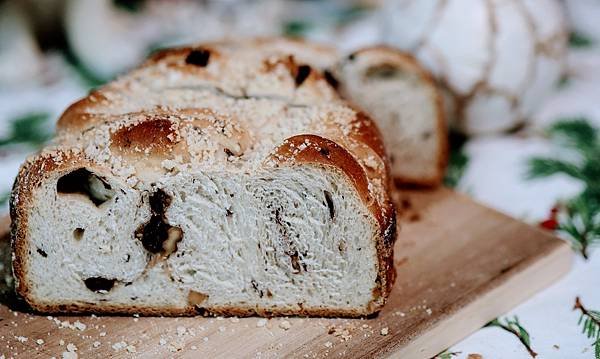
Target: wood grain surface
[459, 266]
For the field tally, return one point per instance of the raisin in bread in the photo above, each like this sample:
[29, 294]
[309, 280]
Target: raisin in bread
[219, 179]
[407, 106]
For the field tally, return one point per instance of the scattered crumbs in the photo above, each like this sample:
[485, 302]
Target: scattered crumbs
[328, 344]
[96, 344]
[384, 331]
[205, 339]
[234, 319]
[79, 325]
[175, 346]
[399, 313]
[69, 355]
[136, 315]
[103, 334]
[222, 329]
[21, 339]
[285, 325]
[61, 342]
[428, 311]
[40, 341]
[220, 318]
[261, 322]
[131, 349]
[193, 347]
[71, 347]
[162, 341]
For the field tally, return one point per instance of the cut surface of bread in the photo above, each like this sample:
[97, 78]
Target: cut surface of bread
[406, 105]
[213, 179]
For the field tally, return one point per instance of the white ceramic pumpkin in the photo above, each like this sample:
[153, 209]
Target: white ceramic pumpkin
[498, 58]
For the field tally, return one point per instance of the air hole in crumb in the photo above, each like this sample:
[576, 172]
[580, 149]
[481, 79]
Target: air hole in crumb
[99, 284]
[78, 233]
[84, 182]
[198, 57]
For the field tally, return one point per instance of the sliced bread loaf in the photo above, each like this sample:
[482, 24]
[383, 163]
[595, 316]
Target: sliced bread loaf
[212, 179]
[407, 106]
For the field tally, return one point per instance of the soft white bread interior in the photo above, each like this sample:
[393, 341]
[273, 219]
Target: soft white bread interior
[212, 179]
[406, 105]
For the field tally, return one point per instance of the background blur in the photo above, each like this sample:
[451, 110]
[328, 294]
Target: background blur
[526, 143]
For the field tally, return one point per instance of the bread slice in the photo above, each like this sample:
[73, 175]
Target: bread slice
[212, 179]
[402, 98]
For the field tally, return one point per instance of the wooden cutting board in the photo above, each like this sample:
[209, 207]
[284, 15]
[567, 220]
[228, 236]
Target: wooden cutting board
[459, 266]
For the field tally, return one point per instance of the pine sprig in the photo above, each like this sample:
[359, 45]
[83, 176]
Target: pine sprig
[446, 355]
[29, 129]
[457, 161]
[579, 40]
[589, 320]
[513, 326]
[581, 222]
[4, 197]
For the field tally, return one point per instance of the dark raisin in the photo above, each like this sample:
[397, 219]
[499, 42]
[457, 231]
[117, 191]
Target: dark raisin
[42, 252]
[302, 73]
[324, 151]
[228, 213]
[198, 57]
[330, 204]
[154, 232]
[331, 80]
[228, 151]
[97, 284]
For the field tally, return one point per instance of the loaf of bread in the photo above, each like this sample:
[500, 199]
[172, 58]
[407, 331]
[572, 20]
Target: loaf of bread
[223, 178]
[406, 105]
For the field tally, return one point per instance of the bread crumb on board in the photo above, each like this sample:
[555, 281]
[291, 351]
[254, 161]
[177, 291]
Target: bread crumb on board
[384, 331]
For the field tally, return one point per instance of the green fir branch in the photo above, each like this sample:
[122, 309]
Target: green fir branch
[581, 221]
[446, 355]
[589, 320]
[30, 129]
[4, 197]
[578, 40]
[514, 327]
[457, 161]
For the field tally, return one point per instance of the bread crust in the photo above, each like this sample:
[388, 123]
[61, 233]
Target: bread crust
[157, 134]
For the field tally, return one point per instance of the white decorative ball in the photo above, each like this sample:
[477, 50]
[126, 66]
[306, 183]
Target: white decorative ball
[497, 58]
